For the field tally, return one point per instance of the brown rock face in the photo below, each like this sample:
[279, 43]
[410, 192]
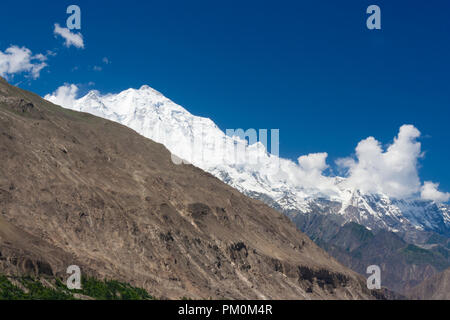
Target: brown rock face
[435, 288]
[77, 189]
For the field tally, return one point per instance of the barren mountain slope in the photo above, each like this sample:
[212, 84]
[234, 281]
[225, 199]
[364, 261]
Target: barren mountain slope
[403, 265]
[77, 189]
[435, 288]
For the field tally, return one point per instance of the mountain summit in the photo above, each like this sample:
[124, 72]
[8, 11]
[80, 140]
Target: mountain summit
[287, 186]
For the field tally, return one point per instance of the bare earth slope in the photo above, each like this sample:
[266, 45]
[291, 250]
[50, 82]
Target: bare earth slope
[77, 189]
[435, 288]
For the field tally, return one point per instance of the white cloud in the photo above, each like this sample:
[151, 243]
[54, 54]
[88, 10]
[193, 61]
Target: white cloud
[64, 96]
[51, 53]
[314, 162]
[71, 39]
[97, 68]
[392, 171]
[17, 60]
[430, 191]
[106, 60]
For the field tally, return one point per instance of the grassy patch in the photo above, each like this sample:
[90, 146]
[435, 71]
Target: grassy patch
[111, 290]
[28, 288]
[417, 255]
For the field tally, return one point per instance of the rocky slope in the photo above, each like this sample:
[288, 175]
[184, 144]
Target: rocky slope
[77, 189]
[435, 288]
[403, 265]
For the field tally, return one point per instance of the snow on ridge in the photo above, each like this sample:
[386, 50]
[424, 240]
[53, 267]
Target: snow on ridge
[293, 186]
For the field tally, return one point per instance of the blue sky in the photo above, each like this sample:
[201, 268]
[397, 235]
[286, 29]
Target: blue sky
[310, 68]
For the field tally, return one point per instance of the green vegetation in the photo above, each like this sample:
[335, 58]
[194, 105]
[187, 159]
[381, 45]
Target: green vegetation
[437, 239]
[417, 255]
[8, 291]
[111, 290]
[359, 232]
[442, 251]
[28, 288]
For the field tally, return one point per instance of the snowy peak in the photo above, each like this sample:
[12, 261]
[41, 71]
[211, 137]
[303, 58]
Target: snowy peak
[288, 186]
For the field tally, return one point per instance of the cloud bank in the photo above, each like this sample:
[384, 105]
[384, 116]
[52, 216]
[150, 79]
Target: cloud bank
[18, 60]
[392, 171]
[71, 39]
[429, 191]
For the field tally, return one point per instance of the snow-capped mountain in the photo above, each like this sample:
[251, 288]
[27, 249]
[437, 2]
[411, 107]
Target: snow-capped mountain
[290, 187]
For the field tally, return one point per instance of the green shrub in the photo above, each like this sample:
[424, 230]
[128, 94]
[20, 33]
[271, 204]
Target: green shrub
[34, 289]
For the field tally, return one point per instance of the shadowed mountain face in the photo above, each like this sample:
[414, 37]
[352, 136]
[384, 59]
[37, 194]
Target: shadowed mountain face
[403, 265]
[435, 288]
[77, 189]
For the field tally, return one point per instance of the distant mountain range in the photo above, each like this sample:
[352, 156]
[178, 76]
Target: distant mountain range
[300, 194]
[403, 265]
